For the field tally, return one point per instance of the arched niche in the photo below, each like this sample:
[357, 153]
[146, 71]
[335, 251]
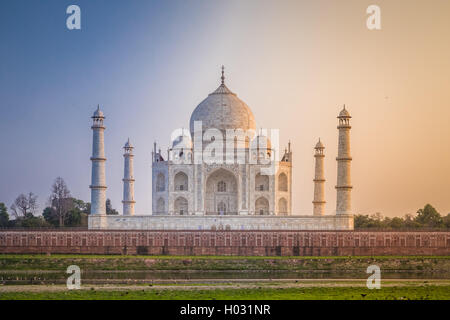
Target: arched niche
[221, 188]
[181, 206]
[261, 206]
[181, 182]
[282, 182]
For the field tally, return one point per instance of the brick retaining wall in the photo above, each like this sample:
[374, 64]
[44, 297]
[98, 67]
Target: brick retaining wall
[248, 243]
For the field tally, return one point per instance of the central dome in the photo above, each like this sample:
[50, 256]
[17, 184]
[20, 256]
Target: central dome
[223, 110]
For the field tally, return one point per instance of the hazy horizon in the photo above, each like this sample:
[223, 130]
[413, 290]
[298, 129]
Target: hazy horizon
[295, 63]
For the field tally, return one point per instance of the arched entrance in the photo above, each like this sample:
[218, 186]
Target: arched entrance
[181, 182]
[181, 206]
[261, 206]
[160, 206]
[222, 208]
[160, 182]
[282, 182]
[282, 207]
[221, 193]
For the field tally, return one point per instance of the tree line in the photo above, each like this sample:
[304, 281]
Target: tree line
[62, 210]
[426, 218]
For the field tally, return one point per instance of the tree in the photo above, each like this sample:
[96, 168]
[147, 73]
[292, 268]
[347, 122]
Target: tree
[410, 222]
[76, 216]
[24, 205]
[396, 223]
[446, 221]
[50, 216]
[374, 221]
[109, 208]
[361, 221]
[4, 217]
[87, 208]
[84, 207]
[30, 222]
[429, 217]
[60, 200]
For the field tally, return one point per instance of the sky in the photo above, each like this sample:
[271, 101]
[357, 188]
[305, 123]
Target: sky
[295, 63]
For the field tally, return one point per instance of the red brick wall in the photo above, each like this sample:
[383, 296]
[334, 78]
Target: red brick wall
[261, 243]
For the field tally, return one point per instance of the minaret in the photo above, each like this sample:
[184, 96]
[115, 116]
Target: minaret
[344, 184]
[128, 181]
[319, 181]
[98, 181]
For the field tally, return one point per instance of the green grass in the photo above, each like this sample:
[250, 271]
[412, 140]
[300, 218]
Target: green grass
[326, 293]
[423, 264]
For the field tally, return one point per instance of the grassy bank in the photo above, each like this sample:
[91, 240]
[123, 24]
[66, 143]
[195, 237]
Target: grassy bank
[321, 293]
[201, 263]
[208, 277]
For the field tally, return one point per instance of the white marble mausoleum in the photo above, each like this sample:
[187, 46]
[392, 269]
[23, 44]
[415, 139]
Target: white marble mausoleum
[222, 174]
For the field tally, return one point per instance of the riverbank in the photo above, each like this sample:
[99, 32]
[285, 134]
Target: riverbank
[210, 277]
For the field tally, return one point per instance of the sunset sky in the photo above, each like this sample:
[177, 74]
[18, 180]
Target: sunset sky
[295, 63]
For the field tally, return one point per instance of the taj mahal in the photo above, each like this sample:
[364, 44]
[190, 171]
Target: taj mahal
[222, 174]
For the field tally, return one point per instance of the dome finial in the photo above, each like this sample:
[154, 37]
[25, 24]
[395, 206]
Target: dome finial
[223, 77]
[128, 146]
[344, 113]
[98, 113]
[319, 145]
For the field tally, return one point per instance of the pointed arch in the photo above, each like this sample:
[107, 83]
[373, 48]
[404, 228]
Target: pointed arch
[282, 207]
[181, 206]
[261, 206]
[160, 206]
[221, 186]
[282, 182]
[160, 182]
[181, 181]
